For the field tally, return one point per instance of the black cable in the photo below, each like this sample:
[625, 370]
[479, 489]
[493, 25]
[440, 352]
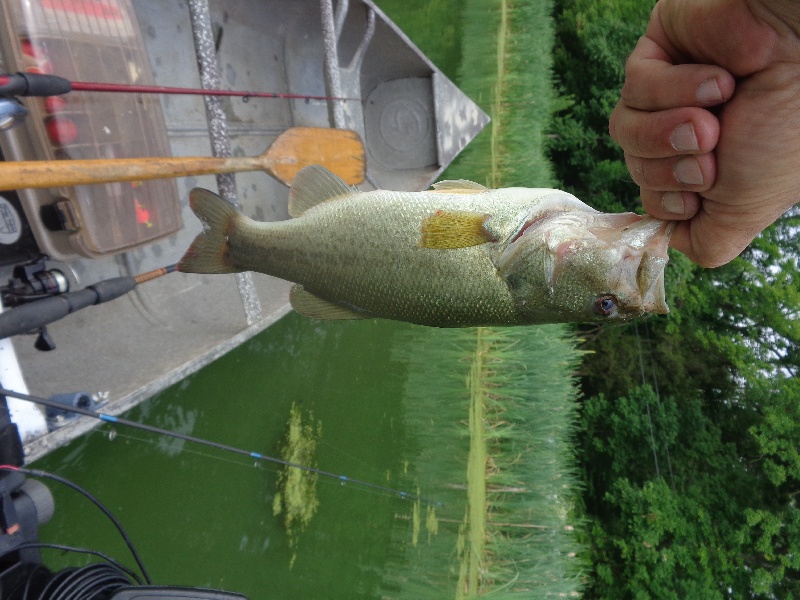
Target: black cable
[96, 502]
[65, 548]
[85, 583]
[57, 578]
[29, 580]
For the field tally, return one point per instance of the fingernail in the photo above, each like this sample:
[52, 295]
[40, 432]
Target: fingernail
[708, 92]
[673, 202]
[688, 172]
[683, 139]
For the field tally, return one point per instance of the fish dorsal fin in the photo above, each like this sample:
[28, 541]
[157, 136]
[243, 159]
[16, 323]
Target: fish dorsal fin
[459, 186]
[314, 185]
[450, 229]
[314, 307]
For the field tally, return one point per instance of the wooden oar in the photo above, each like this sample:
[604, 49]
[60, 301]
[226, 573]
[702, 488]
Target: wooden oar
[338, 150]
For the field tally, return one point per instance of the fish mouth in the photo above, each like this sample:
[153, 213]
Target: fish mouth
[639, 243]
[647, 242]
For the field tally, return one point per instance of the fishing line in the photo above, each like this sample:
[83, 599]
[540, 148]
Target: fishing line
[113, 434]
[153, 444]
[658, 396]
[232, 461]
[343, 479]
[647, 402]
[377, 471]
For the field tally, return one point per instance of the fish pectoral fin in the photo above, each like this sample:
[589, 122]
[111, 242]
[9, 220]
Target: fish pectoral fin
[314, 185]
[314, 307]
[459, 186]
[449, 229]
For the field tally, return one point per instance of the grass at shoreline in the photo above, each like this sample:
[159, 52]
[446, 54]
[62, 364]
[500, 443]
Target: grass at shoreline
[492, 413]
[508, 74]
[474, 530]
[516, 539]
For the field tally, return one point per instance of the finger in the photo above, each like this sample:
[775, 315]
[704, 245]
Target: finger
[664, 133]
[707, 246]
[670, 206]
[675, 174]
[653, 82]
[719, 232]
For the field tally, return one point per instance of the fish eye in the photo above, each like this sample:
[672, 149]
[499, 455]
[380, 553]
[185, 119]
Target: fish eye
[606, 305]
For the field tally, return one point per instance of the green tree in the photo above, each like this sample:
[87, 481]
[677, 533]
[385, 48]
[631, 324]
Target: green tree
[593, 39]
[690, 426]
[674, 509]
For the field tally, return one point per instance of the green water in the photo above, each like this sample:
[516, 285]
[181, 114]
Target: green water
[201, 517]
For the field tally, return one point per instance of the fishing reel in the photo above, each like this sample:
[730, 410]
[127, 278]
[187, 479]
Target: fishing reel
[33, 281]
[30, 282]
[12, 113]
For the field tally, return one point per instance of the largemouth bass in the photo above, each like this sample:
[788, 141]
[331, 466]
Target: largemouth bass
[456, 256]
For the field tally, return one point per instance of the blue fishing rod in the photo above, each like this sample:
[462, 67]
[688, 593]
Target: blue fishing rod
[211, 444]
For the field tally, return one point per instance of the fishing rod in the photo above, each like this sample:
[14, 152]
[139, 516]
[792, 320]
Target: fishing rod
[211, 444]
[37, 84]
[88, 86]
[41, 297]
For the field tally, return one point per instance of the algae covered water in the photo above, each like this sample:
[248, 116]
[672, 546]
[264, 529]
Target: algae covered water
[383, 402]
[201, 517]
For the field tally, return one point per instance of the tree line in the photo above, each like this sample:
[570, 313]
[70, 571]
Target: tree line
[689, 440]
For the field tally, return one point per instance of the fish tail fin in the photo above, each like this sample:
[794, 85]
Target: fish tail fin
[210, 252]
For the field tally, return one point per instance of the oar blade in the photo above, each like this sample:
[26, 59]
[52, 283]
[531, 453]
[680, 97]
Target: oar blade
[338, 150]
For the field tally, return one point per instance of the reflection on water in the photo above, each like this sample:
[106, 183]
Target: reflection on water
[296, 496]
[431, 523]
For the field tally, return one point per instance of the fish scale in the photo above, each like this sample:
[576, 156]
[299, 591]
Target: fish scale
[364, 251]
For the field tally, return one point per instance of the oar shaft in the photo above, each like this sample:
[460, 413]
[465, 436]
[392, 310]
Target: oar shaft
[339, 150]
[57, 173]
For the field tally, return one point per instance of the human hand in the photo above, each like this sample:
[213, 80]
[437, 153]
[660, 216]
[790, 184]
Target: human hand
[725, 174]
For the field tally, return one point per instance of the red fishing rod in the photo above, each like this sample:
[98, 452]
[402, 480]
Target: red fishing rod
[87, 86]
[36, 84]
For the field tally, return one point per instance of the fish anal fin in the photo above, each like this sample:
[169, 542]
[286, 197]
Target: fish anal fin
[459, 186]
[449, 229]
[314, 307]
[314, 185]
